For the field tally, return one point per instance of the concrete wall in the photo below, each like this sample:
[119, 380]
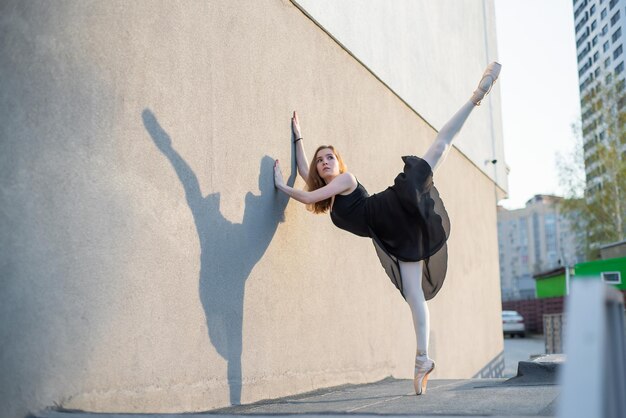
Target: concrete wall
[613, 250]
[432, 54]
[148, 264]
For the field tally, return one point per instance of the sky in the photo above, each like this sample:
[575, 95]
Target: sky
[539, 91]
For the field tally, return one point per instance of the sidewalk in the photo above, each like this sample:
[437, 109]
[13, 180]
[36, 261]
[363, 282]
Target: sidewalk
[534, 393]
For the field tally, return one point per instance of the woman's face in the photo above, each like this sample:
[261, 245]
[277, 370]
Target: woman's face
[327, 165]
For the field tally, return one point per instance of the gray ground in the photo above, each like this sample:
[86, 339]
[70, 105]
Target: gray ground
[521, 349]
[534, 393]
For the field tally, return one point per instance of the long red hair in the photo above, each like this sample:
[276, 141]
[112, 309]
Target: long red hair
[314, 181]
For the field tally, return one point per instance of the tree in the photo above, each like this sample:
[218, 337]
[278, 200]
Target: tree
[594, 174]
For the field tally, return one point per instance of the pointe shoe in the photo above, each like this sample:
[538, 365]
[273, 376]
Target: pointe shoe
[422, 370]
[486, 83]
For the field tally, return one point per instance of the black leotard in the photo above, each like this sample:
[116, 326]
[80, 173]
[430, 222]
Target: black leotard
[407, 222]
[349, 212]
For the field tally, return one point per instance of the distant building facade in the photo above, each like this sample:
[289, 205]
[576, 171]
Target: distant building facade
[531, 240]
[600, 27]
[613, 250]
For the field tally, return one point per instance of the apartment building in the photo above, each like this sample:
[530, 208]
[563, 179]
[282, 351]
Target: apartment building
[531, 240]
[600, 26]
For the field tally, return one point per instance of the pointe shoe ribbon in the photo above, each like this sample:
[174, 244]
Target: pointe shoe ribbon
[486, 83]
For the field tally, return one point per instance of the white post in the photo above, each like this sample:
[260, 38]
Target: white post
[594, 375]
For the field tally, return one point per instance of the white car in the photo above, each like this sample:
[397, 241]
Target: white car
[513, 324]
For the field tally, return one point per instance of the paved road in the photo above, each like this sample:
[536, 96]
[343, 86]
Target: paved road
[520, 349]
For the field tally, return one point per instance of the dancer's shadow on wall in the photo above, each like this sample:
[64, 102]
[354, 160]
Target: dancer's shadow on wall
[229, 251]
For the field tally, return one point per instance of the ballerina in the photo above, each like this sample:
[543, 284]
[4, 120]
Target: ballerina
[407, 222]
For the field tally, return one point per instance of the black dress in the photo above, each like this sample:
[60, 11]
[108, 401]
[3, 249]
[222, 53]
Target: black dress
[407, 222]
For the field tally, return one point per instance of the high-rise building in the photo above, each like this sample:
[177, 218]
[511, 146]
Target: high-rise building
[600, 27]
[531, 240]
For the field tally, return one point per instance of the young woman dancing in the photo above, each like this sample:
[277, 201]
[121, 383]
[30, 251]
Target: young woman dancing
[407, 222]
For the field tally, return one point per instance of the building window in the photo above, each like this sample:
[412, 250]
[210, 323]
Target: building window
[584, 53]
[615, 18]
[583, 37]
[612, 4]
[581, 23]
[523, 233]
[617, 52]
[607, 62]
[596, 56]
[550, 232]
[603, 14]
[594, 24]
[536, 238]
[579, 9]
[608, 78]
[616, 35]
[586, 83]
[611, 277]
[605, 30]
[596, 73]
[584, 69]
[605, 47]
[594, 41]
[619, 68]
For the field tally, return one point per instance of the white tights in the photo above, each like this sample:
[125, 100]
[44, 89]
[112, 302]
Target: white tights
[412, 286]
[412, 271]
[439, 149]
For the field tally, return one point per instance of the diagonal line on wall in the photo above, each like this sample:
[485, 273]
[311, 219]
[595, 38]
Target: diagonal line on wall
[345, 48]
[349, 52]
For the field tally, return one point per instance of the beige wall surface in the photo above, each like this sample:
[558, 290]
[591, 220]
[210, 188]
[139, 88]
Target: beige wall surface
[147, 262]
[430, 53]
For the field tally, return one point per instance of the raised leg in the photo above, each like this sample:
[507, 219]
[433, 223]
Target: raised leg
[439, 149]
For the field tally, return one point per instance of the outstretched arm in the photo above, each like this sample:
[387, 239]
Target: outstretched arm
[339, 184]
[301, 160]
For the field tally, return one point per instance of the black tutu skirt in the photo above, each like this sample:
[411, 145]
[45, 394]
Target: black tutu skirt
[408, 222]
